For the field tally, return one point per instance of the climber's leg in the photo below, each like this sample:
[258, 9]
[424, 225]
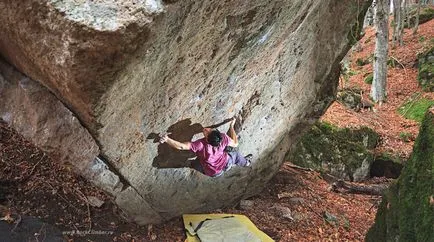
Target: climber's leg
[237, 159]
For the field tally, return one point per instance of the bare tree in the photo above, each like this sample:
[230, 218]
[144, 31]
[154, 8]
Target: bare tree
[403, 18]
[398, 21]
[369, 17]
[416, 25]
[378, 88]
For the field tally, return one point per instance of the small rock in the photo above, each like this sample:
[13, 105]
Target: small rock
[298, 216]
[297, 200]
[94, 201]
[246, 204]
[284, 212]
[331, 218]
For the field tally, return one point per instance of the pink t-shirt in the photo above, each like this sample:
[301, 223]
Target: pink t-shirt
[213, 159]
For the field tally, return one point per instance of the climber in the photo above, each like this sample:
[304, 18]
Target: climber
[212, 160]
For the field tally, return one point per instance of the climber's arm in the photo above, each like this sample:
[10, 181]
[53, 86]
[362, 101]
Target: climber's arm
[233, 141]
[175, 144]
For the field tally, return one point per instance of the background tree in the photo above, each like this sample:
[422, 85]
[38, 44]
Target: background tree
[398, 21]
[404, 13]
[378, 88]
[416, 25]
[369, 17]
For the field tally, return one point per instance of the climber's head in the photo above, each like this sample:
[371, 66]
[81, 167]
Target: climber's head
[213, 137]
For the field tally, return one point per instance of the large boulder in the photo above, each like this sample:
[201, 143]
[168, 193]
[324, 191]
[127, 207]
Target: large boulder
[345, 153]
[132, 69]
[406, 212]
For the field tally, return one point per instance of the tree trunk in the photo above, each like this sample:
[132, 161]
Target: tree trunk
[378, 88]
[369, 17]
[416, 25]
[403, 18]
[345, 187]
[396, 37]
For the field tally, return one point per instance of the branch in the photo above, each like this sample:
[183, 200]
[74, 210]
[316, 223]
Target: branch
[300, 168]
[345, 187]
[403, 67]
[17, 223]
[84, 198]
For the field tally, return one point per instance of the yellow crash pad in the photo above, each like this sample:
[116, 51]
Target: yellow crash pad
[222, 227]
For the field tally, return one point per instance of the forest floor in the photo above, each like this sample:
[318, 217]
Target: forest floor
[290, 208]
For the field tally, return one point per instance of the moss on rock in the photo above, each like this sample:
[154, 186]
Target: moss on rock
[426, 70]
[407, 212]
[425, 15]
[344, 153]
[352, 98]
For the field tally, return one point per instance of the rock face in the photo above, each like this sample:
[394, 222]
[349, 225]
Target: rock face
[426, 70]
[132, 69]
[406, 212]
[344, 153]
[39, 116]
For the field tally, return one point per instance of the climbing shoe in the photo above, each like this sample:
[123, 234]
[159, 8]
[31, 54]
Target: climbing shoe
[249, 159]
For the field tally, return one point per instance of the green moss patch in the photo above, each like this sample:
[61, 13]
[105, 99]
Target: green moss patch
[415, 107]
[362, 62]
[369, 78]
[405, 136]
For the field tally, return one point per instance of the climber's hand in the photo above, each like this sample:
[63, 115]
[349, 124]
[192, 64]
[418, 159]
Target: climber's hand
[233, 122]
[164, 137]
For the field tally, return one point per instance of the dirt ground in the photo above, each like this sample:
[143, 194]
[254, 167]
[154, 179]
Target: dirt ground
[291, 208]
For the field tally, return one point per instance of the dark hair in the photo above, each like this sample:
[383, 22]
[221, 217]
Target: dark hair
[214, 138]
